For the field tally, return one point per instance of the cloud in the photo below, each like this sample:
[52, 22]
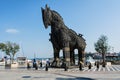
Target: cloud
[12, 31]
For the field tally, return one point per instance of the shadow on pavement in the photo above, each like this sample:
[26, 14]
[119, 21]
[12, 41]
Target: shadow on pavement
[77, 78]
[74, 77]
[26, 76]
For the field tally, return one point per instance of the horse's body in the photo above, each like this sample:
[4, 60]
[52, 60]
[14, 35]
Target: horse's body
[63, 38]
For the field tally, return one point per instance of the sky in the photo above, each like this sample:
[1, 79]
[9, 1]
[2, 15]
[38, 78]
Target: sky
[21, 22]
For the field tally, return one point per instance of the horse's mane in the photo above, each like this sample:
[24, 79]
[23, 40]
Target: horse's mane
[57, 14]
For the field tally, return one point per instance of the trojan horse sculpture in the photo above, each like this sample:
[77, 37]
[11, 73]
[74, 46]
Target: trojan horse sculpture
[63, 38]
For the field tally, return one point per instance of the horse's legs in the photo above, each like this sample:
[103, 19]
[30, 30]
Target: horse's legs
[80, 56]
[56, 57]
[66, 52]
[72, 57]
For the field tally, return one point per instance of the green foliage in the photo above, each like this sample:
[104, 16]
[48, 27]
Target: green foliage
[9, 48]
[14, 49]
[2, 46]
[5, 47]
[101, 46]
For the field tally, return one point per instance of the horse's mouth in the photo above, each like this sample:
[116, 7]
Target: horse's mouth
[46, 26]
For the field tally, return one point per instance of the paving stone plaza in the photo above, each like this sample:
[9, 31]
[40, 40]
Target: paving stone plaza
[109, 73]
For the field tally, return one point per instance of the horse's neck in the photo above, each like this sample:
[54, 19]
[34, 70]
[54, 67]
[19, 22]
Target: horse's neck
[54, 28]
[57, 22]
[57, 27]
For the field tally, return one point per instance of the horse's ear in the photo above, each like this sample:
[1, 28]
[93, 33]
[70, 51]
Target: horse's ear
[46, 7]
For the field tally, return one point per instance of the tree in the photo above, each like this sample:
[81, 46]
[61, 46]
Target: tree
[14, 49]
[6, 47]
[10, 49]
[101, 46]
[2, 45]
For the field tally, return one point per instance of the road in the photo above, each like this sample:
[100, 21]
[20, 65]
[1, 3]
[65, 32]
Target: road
[108, 73]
